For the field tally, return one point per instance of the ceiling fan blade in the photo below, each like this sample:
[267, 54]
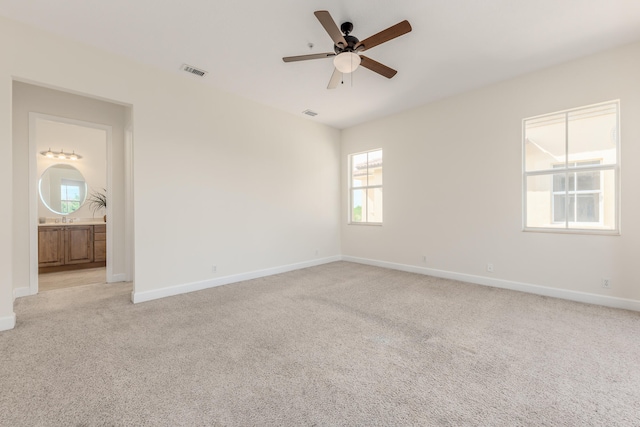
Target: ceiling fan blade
[330, 27]
[377, 67]
[384, 36]
[336, 77]
[305, 57]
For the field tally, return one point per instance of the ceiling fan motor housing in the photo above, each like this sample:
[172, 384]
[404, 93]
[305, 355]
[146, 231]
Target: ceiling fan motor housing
[352, 41]
[346, 28]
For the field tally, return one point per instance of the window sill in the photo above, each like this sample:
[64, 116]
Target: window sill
[573, 231]
[375, 224]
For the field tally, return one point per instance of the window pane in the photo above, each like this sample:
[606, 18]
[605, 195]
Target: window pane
[375, 167]
[358, 205]
[544, 142]
[359, 170]
[598, 209]
[374, 205]
[559, 181]
[572, 182]
[588, 208]
[593, 134]
[571, 208]
[539, 200]
[559, 208]
[588, 181]
[70, 192]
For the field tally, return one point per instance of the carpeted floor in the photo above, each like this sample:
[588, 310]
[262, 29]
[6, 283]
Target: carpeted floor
[338, 344]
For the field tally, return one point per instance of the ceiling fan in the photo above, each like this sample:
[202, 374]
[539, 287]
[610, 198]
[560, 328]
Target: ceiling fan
[347, 48]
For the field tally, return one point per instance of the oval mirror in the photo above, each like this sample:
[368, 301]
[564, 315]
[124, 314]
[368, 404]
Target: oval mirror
[62, 189]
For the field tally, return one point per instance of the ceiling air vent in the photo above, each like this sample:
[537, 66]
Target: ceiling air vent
[193, 70]
[310, 113]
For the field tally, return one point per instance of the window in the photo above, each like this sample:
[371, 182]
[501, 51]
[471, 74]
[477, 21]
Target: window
[584, 192]
[70, 195]
[571, 170]
[365, 187]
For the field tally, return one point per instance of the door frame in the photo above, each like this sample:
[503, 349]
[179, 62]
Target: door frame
[33, 192]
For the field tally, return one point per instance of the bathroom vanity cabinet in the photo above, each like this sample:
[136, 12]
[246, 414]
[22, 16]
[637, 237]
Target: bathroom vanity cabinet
[71, 247]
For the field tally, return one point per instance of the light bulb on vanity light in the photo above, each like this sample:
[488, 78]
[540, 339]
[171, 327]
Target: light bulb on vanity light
[61, 155]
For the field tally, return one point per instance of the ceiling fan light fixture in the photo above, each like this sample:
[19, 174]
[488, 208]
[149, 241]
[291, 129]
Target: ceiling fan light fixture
[346, 62]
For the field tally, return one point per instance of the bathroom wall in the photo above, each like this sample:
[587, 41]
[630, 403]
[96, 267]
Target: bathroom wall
[88, 142]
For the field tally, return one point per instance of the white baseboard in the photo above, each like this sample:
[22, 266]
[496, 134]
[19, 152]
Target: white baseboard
[118, 278]
[627, 304]
[23, 291]
[7, 322]
[138, 297]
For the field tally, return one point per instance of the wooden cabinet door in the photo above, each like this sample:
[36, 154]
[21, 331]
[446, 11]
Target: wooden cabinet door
[79, 244]
[50, 246]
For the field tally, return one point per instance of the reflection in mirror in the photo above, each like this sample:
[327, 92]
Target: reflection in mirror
[62, 189]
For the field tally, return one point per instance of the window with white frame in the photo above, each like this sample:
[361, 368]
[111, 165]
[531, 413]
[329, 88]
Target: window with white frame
[584, 192]
[70, 195]
[571, 170]
[365, 187]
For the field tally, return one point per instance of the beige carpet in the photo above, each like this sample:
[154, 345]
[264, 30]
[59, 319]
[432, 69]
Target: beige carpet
[339, 344]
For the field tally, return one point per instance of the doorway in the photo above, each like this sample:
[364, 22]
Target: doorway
[72, 187]
[51, 120]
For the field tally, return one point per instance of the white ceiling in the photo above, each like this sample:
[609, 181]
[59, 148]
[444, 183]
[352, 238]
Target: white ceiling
[455, 45]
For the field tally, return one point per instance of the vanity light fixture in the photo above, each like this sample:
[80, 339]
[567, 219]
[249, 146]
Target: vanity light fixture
[61, 155]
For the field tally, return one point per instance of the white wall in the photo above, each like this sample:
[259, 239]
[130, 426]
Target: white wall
[453, 182]
[218, 180]
[31, 98]
[7, 317]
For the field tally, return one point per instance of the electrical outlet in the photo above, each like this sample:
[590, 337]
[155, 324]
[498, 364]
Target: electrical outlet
[424, 259]
[214, 269]
[317, 252]
[490, 268]
[606, 283]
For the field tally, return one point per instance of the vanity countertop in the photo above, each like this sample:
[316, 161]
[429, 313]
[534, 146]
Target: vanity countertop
[71, 224]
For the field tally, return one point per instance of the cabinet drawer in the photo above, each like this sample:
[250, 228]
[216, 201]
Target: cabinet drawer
[99, 236]
[100, 228]
[100, 250]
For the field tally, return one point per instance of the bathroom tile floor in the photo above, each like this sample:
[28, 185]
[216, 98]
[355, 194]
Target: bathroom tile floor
[66, 279]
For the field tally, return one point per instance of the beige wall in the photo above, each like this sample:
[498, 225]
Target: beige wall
[453, 182]
[222, 181]
[218, 180]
